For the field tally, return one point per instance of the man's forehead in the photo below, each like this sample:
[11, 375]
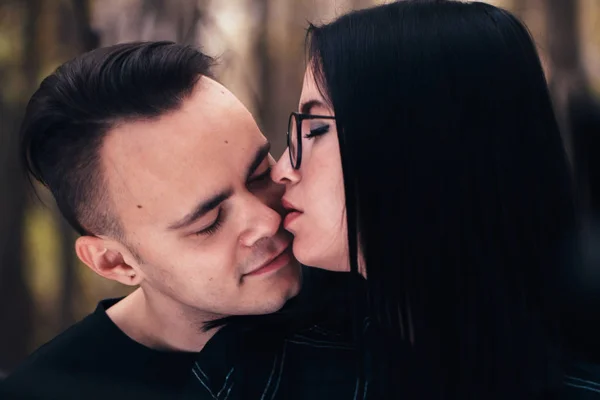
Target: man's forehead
[181, 156]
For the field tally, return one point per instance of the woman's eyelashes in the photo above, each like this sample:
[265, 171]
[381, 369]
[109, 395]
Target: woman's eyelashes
[317, 131]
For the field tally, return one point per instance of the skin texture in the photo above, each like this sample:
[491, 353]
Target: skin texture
[157, 172]
[316, 190]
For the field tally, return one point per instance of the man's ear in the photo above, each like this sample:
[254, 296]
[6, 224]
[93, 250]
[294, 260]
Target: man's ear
[106, 258]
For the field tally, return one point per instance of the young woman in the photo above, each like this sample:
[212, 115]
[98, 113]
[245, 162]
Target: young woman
[425, 156]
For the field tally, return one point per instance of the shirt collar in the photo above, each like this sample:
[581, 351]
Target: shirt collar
[215, 364]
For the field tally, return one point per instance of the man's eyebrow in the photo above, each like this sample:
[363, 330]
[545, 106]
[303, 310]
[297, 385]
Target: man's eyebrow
[201, 209]
[259, 157]
[308, 105]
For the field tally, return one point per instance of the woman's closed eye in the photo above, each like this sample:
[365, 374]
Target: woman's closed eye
[317, 131]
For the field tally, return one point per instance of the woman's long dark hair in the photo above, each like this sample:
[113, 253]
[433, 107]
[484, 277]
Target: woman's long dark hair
[457, 184]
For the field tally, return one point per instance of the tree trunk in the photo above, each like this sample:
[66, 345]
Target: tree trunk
[132, 20]
[279, 57]
[15, 300]
[264, 97]
[567, 76]
[575, 106]
[88, 39]
[76, 33]
[578, 115]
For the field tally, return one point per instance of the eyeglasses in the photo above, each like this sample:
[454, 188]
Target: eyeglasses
[298, 128]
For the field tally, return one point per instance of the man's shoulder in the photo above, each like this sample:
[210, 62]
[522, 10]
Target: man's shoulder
[70, 346]
[94, 359]
[57, 362]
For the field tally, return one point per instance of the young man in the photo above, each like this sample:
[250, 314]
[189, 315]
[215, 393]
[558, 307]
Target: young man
[165, 175]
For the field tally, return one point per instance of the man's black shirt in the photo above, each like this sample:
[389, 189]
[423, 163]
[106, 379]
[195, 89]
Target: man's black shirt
[251, 357]
[94, 359]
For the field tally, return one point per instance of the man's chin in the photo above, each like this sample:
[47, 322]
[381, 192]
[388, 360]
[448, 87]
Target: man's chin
[276, 304]
[280, 287]
[295, 283]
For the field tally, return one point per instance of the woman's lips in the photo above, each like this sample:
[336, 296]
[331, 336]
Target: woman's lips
[292, 215]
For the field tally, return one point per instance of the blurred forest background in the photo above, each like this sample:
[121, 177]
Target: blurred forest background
[43, 287]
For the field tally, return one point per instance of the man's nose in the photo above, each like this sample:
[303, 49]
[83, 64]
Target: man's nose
[262, 220]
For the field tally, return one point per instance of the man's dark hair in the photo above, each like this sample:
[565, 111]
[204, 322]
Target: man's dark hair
[70, 114]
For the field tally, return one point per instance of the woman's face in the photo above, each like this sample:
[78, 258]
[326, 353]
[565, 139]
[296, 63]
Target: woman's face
[314, 193]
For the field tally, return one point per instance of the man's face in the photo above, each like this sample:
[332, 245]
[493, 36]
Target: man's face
[193, 194]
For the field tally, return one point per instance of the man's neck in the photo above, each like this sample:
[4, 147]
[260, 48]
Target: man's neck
[162, 324]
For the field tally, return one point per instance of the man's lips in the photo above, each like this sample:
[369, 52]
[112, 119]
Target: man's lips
[276, 262]
[289, 218]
